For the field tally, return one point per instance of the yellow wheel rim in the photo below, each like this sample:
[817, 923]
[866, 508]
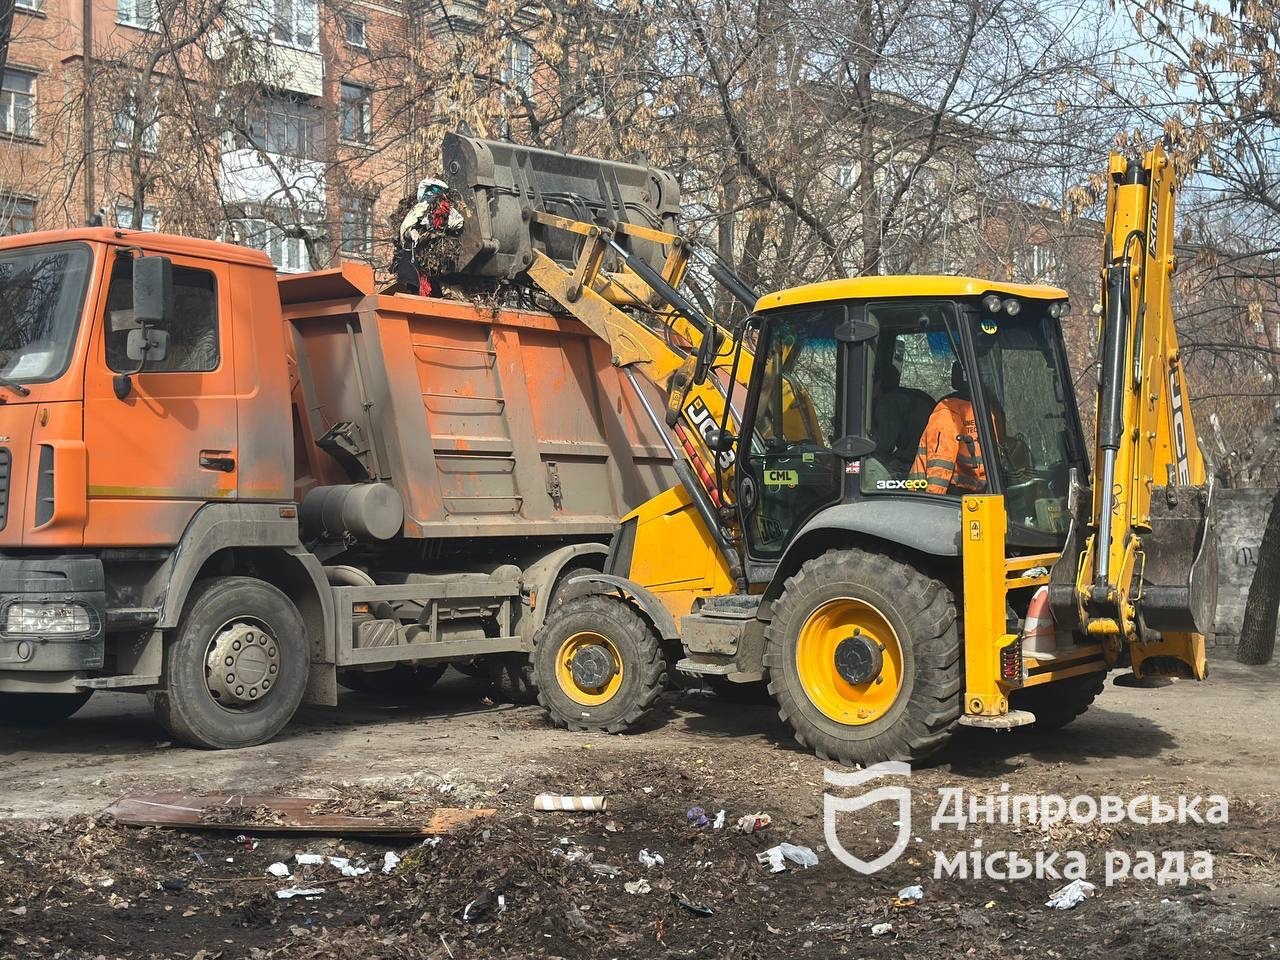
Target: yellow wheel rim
[869, 641]
[587, 696]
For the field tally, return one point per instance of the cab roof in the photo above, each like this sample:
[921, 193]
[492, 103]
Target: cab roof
[887, 288]
[165, 243]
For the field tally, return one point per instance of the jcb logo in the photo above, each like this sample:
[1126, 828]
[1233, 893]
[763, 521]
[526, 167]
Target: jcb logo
[700, 419]
[902, 484]
[1179, 428]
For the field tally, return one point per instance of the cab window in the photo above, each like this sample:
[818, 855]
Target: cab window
[193, 331]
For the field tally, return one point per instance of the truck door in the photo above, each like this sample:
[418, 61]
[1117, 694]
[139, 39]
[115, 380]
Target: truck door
[172, 438]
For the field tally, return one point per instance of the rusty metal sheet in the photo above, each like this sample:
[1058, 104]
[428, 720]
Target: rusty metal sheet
[273, 814]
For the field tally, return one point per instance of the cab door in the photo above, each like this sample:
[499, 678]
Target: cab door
[796, 414]
[171, 440]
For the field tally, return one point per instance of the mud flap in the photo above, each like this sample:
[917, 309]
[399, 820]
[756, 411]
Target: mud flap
[1180, 571]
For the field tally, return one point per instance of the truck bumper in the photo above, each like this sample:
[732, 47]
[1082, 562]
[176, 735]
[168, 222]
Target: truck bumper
[65, 588]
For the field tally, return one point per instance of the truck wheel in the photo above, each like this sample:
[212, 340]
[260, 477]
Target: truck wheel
[1057, 704]
[863, 657]
[403, 682]
[38, 709]
[597, 665]
[236, 667]
[512, 677]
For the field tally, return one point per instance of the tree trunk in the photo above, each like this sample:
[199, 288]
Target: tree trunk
[1258, 632]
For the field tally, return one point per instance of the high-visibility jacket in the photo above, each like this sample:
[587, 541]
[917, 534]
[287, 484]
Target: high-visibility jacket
[949, 457]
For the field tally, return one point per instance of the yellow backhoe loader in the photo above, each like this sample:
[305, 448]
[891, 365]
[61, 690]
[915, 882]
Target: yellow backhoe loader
[896, 532]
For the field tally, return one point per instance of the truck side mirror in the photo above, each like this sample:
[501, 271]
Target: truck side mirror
[152, 292]
[146, 345]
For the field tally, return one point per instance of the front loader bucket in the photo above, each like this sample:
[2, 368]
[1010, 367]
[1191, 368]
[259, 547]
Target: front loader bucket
[500, 184]
[1180, 575]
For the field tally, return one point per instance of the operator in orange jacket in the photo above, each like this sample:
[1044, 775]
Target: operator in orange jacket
[949, 457]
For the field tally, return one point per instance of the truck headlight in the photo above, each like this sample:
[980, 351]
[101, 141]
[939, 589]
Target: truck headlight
[44, 619]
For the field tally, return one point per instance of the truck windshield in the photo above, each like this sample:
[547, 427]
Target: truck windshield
[42, 292]
[1022, 375]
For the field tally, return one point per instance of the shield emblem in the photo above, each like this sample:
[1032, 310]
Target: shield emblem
[833, 805]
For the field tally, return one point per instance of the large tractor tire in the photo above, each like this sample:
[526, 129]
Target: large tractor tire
[1057, 704]
[24, 710]
[598, 665]
[863, 658]
[235, 668]
[402, 683]
[512, 677]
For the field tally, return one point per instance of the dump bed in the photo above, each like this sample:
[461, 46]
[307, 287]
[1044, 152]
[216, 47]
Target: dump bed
[487, 422]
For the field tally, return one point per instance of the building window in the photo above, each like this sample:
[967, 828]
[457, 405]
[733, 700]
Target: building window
[17, 215]
[357, 113]
[18, 103]
[127, 118]
[353, 28]
[286, 125]
[136, 13]
[290, 22]
[124, 218]
[31, 6]
[1035, 263]
[357, 226]
[517, 66]
[846, 176]
[287, 250]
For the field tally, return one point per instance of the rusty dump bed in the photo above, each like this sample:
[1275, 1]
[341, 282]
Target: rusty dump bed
[487, 422]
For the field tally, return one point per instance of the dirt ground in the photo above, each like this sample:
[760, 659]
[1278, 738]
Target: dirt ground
[75, 885]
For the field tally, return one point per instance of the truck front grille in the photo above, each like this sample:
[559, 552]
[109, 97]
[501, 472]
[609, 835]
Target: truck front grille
[6, 464]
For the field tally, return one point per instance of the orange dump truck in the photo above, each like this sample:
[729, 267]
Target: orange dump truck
[232, 491]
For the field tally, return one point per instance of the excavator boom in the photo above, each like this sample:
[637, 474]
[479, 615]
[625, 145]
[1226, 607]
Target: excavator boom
[1144, 557]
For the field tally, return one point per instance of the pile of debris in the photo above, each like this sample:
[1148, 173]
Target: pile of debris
[428, 229]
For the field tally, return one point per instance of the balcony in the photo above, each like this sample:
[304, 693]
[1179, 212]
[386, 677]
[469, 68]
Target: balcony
[250, 177]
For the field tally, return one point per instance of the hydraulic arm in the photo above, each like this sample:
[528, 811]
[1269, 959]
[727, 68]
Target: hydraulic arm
[1139, 570]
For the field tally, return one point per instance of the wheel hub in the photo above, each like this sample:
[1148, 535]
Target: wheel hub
[243, 664]
[858, 660]
[593, 666]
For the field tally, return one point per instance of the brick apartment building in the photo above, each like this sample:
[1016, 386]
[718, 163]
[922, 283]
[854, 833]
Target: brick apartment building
[293, 133]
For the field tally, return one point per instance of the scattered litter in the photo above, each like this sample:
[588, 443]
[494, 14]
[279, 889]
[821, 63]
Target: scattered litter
[880, 929]
[800, 856]
[391, 859]
[288, 893]
[279, 870]
[434, 842]
[719, 821]
[648, 859]
[697, 909]
[482, 906]
[577, 920]
[1071, 895]
[248, 842]
[308, 859]
[231, 859]
[909, 896]
[571, 852]
[550, 801]
[200, 860]
[613, 827]
[174, 885]
[345, 867]
[637, 886]
[697, 817]
[647, 789]
[753, 822]
[605, 870]
[18, 911]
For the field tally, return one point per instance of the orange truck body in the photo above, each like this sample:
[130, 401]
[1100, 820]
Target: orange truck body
[449, 459]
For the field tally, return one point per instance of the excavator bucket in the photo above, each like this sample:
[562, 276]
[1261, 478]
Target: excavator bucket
[1180, 573]
[501, 184]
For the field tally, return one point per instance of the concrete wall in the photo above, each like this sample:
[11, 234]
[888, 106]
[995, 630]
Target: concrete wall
[1242, 515]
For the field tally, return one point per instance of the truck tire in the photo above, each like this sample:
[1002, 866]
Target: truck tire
[863, 658]
[403, 683]
[590, 639]
[252, 632]
[23, 710]
[511, 675]
[1057, 704]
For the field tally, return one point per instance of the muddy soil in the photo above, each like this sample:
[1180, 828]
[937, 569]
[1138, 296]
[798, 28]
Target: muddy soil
[75, 885]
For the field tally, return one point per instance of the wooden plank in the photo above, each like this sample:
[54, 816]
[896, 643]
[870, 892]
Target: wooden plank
[273, 814]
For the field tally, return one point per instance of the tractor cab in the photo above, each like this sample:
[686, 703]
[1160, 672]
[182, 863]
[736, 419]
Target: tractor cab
[865, 393]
